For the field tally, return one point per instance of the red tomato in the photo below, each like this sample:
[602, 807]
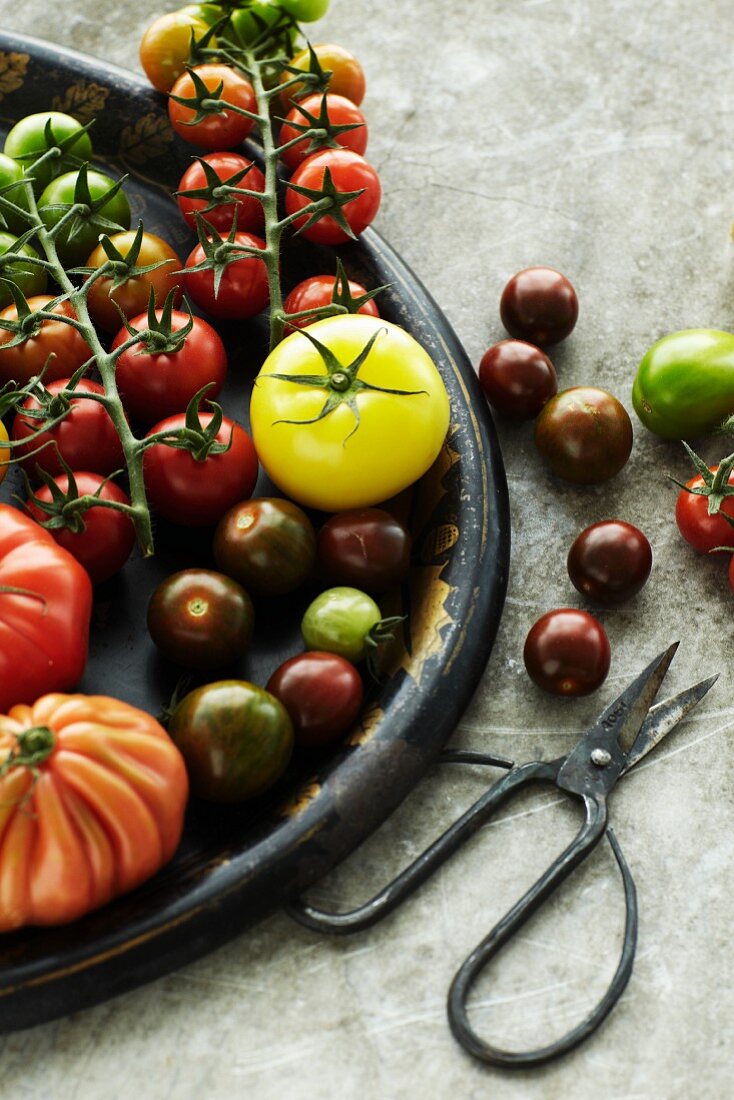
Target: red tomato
[249, 210]
[322, 693]
[243, 291]
[133, 296]
[198, 493]
[318, 291]
[349, 172]
[86, 437]
[702, 531]
[567, 652]
[347, 75]
[340, 111]
[68, 348]
[108, 537]
[154, 386]
[223, 130]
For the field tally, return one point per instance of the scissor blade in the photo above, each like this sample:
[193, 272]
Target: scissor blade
[624, 717]
[663, 717]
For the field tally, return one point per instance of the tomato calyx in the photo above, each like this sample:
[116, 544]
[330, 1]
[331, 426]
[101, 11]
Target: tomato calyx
[215, 191]
[220, 252]
[380, 634]
[206, 102]
[56, 149]
[716, 486]
[342, 299]
[313, 79]
[194, 437]
[84, 211]
[326, 199]
[65, 510]
[319, 129]
[160, 338]
[32, 747]
[120, 269]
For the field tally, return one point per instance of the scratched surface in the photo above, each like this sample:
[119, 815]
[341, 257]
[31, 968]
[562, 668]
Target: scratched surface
[595, 137]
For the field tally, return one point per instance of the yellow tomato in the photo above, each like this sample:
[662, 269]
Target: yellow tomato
[4, 451]
[348, 412]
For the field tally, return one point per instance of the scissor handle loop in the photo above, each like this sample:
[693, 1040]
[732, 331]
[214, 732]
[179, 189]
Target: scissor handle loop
[465, 977]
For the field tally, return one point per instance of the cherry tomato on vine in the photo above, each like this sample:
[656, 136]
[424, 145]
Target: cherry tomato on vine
[584, 434]
[226, 128]
[305, 11]
[4, 451]
[341, 112]
[367, 549]
[517, 378]
[610, 561]
[197, 493]
[349, 172]
[248, 209]
[27, 276]
[322, 693]
[567, 652]
[539, 305]
[132, 297]
[347, 75]
[208, 13]
[86, 438]
[166, 45]
[268, 545]
[76, 241]
[200, 619]
[45, 338]
[702, 531]
[12, 172]
[27, 141]
[341, 620]
[319, 291]
[108, 537]
[251, 23]
[243, 291]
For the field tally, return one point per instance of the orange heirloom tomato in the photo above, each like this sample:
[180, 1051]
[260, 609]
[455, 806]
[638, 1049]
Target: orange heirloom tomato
[133, 295]
[91, 804]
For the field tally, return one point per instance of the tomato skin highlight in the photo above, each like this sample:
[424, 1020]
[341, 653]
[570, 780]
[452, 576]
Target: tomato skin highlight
[349, 172]
[367, 549]
[704, 532]
[318, 291]
[22, 361]
[223, 130]
[322, 693]
[249, 210]
[584, 434]
[268, 545]
[610, 561]
[567, 652]
[341, 112]
[243, 291]
[517, 378]
[200, 619]
[133, 296]
[539, 305]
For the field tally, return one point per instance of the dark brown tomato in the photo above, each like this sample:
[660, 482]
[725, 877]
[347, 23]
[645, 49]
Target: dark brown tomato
[367, 548]
[539, 305]
[322, 693]
[517, 378]
[268, 545]
[584, 434]
[567, 652]
[610, 561]
[200, 619]
[236, 739]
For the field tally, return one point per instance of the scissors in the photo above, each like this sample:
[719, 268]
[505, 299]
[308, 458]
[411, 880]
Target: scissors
[625, 732]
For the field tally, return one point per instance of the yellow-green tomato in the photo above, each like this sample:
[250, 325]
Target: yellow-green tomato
[348, 412]
[341, 620]
[306, 11]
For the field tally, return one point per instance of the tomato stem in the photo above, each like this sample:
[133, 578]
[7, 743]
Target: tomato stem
[32, 747]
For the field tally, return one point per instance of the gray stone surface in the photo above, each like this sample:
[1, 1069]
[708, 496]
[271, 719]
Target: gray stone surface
[595, 137]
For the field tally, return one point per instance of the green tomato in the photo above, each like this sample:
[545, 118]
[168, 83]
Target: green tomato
[341, 620]
[11, 172]
[306, 11]
[208, 13]
[76, 241]
[685, 383]
[248, 28]
[28, 277]
[27, 141]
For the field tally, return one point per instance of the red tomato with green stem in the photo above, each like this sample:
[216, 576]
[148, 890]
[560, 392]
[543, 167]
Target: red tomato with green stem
[43, 338]
[704, 532]
[348, 172]
[132, 297]
[243, 291]
[308, 112]
[318, 291]
[225, 166]
[223, 129]
[322, 693]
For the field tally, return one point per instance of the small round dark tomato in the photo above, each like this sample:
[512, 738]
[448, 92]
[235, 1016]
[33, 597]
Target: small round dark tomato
[567, 652]
[86, 438]
[517, 378]
[27, 141]
[235, 738]
[349, 172]
[108, 537]
[75, 241]
[248, 209]
[197, 492]
[610, 561]
[221, 130]
[367, 548]
[155, 385]
[26, 275]
[166, 45]
[347, 75]
[200, 619]
[702, 531]
[63, 342]
[243, 291]
[133, 295]
[268, 545]
[539, 305]
[322, 694]
[318, 291]
[341, 620]
[584, 434]
[340, 111]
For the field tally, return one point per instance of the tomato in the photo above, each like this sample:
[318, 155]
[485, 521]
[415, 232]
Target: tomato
[200, 619]
[306, 11]
[340, 112]
[195, 492]
[27, 141]
[156, 385]
[236, 739]
[243, 291]
[251, 23]
[341, 620]
[108, 537]
[44, 634]
[86, 438]
[367, 549]
[322, 694]
[225, 165]
[77, 239]
[584, 434]
[567, 652]
[348, 457]
[268, 545]
[166, 46]
[349, 172]
[12, 172]
[347, 75]
[46, 338]
[517, 378]
[610, 561]
[702, 531]
[319, 291]
[27, 276]
[133, 296]
[4, 451]
[223, 129]
[539, 305]
[92, 805]
[208, 13]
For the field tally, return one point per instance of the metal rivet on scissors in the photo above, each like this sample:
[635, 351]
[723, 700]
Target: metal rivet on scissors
[624, 733]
